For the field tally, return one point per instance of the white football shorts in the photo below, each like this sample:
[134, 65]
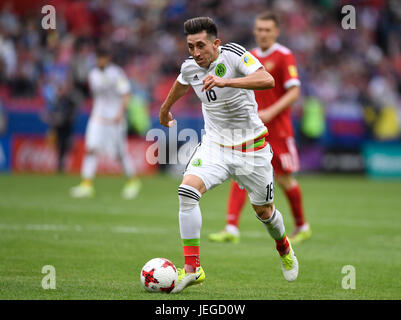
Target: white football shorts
[252, 170]
[106, 138]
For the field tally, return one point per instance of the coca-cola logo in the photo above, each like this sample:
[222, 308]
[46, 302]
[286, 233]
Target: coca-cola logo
[34, 155]
[37, 155]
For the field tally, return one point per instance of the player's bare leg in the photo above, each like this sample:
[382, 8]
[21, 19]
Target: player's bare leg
[190, 218]
[273, 222]
[85, 189]
[289, 184]
[195, 182]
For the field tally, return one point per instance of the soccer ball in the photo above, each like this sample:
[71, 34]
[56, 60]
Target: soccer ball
[159, 275]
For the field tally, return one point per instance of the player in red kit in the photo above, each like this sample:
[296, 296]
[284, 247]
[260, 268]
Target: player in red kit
[274, 110]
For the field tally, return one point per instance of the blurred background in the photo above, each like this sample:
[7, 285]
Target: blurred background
[347, 125]
[348, 119]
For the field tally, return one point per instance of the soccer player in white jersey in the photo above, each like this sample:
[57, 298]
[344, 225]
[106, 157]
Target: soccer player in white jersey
[223, 78]
[106, 131]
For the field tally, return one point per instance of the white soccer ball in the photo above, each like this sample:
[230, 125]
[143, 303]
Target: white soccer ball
[159, 275]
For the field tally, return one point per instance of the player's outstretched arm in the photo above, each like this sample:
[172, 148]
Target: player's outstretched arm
[258, 80]
[176, 92]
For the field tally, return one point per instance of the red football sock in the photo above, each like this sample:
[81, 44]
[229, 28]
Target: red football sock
[236, 202]
[282, 246]
[191, 256]
[294, 197]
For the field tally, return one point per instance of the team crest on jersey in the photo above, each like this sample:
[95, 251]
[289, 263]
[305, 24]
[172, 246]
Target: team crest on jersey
[292, 70]
[248, 60]
[197, 162]
[221, 70]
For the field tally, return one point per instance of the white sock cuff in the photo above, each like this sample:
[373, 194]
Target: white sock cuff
[188, 191]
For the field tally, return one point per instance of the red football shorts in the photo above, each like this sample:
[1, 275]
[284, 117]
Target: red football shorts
[285, 155]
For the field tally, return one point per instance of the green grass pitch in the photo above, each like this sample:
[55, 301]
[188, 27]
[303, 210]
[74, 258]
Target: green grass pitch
[98, 246]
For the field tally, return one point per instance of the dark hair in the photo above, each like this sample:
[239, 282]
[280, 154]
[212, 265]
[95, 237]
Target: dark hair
[199, 24]
[103, 51]
[268, 15]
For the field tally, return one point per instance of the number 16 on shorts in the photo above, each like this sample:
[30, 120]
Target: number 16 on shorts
[270, 192]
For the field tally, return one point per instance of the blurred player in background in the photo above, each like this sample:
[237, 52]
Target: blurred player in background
[60, 117]
[274, 111]
[223, 78]
[107, 126]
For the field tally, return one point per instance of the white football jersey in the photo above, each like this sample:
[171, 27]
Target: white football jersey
[108, 87]
[230, 114]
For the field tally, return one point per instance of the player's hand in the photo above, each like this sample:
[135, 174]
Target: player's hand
[213, 81]
[166, 119]
[266, 115]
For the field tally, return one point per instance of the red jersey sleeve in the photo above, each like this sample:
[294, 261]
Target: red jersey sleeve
[289, 71]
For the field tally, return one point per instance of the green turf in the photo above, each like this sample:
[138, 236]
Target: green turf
[98, 246]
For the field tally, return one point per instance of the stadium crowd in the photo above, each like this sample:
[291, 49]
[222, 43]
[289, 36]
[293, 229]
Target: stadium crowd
[347, 70]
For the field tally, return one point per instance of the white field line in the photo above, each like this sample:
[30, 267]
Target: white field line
[79, 228]
[69, 207]
[116, 229]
